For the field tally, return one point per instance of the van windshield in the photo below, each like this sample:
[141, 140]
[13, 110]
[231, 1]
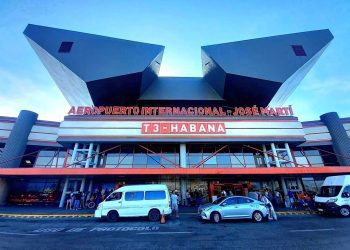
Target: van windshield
[329, 191]
[114, 196]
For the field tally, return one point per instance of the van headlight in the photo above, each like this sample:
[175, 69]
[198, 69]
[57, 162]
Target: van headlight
[332, 200]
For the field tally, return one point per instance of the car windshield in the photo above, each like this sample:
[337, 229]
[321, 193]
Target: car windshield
[329, 191]
[219, 200]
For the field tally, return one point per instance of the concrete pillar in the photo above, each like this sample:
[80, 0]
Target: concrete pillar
[96, 156]
[284, 187]
[274, 152]
[183, 189]
[290, 157]
[17, 142]
[300, 186]
[183, 160]
[82, 185]
[75, 188]
[3, 191]
[90, 186]
[64, 192]
[88, 159]
[340, 139]
[266, 157]
[74, 154]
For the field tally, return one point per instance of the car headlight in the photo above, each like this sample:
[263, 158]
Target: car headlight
[332, 200]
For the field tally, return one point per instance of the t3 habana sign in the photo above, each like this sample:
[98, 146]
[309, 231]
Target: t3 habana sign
[181, 111]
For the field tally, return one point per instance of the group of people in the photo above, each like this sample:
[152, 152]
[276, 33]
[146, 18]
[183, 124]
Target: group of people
[78, 200]
[299, 200]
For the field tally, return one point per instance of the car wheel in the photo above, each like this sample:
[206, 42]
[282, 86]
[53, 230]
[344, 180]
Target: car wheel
[257, 216]
[344, 211]
[154, 215]
[112, 216]
[215, 217]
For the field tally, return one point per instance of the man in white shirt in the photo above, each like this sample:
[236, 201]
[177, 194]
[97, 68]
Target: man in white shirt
[174, 206]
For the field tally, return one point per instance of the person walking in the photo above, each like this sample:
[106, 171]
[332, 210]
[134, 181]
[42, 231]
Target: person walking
[69, 200]
[272, 213]
[76, 205]
[174, 204]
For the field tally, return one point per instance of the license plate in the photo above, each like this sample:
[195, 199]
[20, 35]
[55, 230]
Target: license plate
[320, 209]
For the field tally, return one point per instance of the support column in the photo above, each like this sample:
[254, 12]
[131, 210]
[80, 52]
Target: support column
[88, 159]
[3, 191]
[275, 155]
[96, 156]
[183, 162]
[183, 189]
[284, 187]
[64, 192]
[290, 157]
[300, 186]
[17, 141]
[90, 186]
[266, 157]
[82, 185]
[74, 154]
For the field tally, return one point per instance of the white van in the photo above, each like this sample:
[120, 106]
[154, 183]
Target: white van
[334, 196]
[136, 201]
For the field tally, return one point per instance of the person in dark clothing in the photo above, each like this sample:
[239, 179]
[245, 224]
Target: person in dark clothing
[77, 200]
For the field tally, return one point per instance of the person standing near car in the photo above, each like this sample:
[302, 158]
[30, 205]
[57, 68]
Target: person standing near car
[174, 204]
[266, 201]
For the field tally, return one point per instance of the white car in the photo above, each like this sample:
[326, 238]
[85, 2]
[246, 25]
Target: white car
[136, 201]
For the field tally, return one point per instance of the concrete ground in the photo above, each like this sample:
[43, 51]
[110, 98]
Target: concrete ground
[187, 232]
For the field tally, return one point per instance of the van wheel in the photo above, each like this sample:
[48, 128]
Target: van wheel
[344, 211]
[154, 215]
[257, 216]
[112, 216]
[215, 217]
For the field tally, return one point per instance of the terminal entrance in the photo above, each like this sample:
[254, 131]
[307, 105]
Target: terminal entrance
[216, 189]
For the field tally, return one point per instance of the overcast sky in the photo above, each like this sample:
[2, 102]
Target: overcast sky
[182, 26]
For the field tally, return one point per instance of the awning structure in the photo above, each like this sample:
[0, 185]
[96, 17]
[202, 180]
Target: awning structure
[172, 171]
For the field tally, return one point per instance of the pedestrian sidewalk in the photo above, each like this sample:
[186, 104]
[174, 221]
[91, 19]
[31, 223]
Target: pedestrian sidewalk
[55, 212]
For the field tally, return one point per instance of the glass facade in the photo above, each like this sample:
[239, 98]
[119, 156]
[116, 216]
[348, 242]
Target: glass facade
[311, 158]
[50, 159]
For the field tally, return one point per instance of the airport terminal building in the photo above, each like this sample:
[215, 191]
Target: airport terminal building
[229, 129]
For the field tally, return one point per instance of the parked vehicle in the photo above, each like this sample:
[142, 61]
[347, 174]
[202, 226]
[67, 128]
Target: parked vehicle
[136, 201]
[234, 207]
[334, 196]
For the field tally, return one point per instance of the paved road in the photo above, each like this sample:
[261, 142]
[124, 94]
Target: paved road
[289, 232]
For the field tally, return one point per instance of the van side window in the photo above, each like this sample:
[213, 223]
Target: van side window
[346, 189]
[134, 196]
[155, 195]
[114, 196]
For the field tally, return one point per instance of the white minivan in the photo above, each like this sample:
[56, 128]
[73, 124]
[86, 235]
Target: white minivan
[136, 201]
[334, 196]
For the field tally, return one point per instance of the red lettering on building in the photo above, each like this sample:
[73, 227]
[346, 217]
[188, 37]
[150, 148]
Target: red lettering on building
[183, 128]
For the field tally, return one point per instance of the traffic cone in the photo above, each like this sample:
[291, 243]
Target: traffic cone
[162, 220]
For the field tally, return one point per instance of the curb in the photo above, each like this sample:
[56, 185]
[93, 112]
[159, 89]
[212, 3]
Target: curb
[42, 216]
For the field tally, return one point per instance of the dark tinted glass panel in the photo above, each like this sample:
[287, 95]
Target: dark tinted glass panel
[155, 195]
[329, 191]
[242, 200]
[114, 196]
[134, 196]
[298, 50]
[231, 201]
[65, 47]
